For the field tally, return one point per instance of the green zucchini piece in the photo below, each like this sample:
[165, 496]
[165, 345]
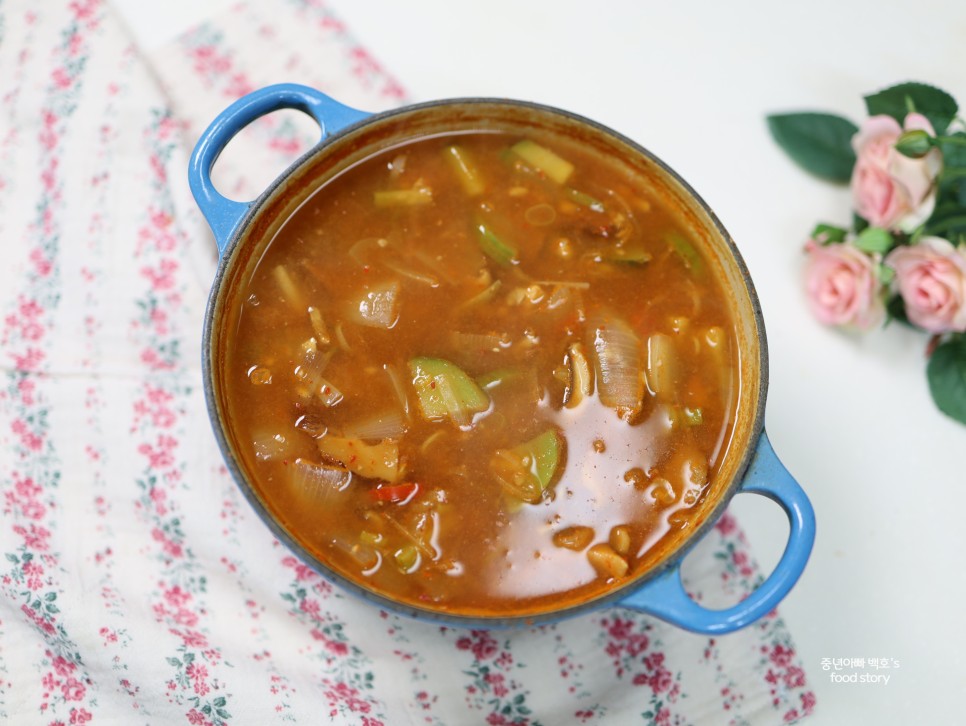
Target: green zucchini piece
[544, 159]
[686, 251]
[497, 249]
[527, 470]
[445, 391]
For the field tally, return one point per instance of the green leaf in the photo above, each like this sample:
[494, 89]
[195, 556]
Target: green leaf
[952, 180]
[827, 234]
[947, 377]
[896, 310]
[858, 223]
[821, 143]
[220, 702]
[50, 596]
[936, 105]
[949, 221]
[874, 239]
[174, 661]
[885, 273]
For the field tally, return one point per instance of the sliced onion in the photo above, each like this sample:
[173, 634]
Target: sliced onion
[363, 251]
[369, 558]
[270, 445]
[320, 482]
[406, 271]
[311, 366]
[478, 342]
[319, 326]
[328, 393]
[397, 387]
[662, 365]
[388, 424]
[482, 297]
[619, 365]
[560, 296]
[286, 285]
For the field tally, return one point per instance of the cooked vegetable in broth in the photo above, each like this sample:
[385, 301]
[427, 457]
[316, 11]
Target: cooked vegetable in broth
[483, 374]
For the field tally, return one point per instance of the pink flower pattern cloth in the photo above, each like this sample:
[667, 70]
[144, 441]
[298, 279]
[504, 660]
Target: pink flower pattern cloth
[136, 584]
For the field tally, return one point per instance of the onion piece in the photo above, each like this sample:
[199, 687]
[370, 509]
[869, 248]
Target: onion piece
[363, 251]
[618, 365]
[465, 170]
[369, 558]
[397, 387]
[290, 292]
[388, 424]
[319, 326]
[311, 366]
[328, 393]
[403, 269]
[485, 296]
[270, 445]
[318, 481]
[560, 296]
[341, 339]
[662, 365]
[478, 342]
[418, 196]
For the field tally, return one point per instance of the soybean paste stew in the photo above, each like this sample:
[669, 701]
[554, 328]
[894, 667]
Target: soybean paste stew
[483, 374]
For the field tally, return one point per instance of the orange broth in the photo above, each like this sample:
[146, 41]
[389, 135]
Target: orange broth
[483, 374]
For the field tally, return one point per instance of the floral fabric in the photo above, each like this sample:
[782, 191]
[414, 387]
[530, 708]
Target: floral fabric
[136, 585]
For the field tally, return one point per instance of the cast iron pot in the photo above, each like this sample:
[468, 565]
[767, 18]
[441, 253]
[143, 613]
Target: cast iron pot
[243, 229]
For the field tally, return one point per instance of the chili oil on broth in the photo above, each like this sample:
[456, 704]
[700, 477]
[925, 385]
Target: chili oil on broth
[523, 277]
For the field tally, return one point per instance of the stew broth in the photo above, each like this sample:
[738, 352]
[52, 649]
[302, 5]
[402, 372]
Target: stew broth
[483, 374]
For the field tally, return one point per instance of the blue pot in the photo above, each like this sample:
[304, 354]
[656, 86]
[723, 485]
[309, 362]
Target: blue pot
[242, 229]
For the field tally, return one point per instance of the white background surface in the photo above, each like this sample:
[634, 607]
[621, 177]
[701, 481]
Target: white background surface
[851, 417]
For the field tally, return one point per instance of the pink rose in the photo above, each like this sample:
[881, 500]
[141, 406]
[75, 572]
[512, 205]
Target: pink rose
[931, 276]
[842, 285]
[891, 190]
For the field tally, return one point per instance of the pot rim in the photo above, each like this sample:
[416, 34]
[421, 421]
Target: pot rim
[611, 597]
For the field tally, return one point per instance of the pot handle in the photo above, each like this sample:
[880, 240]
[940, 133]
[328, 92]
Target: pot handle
[665, 597]
[222, 214]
